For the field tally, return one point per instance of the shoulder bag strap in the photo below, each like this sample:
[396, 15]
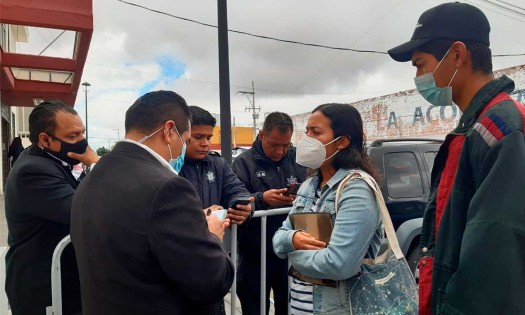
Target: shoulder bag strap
[385, 216]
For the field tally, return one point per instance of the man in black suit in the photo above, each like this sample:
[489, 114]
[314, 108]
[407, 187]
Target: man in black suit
[38, 196]
[143, 243]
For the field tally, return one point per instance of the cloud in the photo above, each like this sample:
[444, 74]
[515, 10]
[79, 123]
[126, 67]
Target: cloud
[134, 51]
[170, 71]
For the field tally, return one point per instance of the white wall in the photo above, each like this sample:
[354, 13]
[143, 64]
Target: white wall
[407, 115]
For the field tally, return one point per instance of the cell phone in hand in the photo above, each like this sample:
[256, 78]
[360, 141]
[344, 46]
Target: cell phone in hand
[292, 189]
[241, 201]
[221, 214]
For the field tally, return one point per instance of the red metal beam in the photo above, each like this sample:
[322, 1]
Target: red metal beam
[25, 99]
[7, 79]
[74, 15]
[40, 86]
[83, 41]
[37, 62]
[59, 14]
[25, 91]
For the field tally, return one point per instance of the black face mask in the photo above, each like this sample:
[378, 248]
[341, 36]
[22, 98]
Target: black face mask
[65, 147]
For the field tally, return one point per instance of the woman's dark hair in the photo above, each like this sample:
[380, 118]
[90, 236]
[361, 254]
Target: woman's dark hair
[481, 54]
[346, 121]
[17, 142]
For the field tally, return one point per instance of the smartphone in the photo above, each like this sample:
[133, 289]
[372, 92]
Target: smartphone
[292, 189]
[221, 214]
[242, 201]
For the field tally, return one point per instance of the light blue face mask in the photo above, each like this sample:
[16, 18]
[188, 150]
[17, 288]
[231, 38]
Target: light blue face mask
[179, 161]
[426, 86]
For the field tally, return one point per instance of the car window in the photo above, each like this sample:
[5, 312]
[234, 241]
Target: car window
[402, 175]
[430, 156]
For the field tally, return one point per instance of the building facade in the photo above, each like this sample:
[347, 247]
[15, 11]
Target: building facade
[29, 77]
[408, 115]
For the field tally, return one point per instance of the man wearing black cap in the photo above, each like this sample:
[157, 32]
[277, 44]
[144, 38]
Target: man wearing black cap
[474, 225]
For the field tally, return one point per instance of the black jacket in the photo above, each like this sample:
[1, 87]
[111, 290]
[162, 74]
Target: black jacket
[214, 181]
[259, 174]
[143, 244]
[14, 152]
[38, 196]
[476, 261]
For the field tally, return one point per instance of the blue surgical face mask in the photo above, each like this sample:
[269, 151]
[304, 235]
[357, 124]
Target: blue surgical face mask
[426, 86]
[175, 163]
[179, 161]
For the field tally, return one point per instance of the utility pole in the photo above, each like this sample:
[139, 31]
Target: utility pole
[118, 133]
[234, 133]
[224, 83]
[86, 86]
[255, 110]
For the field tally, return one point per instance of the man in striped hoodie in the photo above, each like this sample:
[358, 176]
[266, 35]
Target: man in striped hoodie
[472, 258]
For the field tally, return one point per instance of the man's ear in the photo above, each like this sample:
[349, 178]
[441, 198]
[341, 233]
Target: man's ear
[44, 139]
[460, 53]
[169, 129]
[261, 135]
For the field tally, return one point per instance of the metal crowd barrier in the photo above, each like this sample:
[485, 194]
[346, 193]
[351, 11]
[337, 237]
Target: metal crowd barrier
[56, 278]
[263, 214]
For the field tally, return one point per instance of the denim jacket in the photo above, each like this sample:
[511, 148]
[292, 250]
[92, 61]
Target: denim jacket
[357, 234]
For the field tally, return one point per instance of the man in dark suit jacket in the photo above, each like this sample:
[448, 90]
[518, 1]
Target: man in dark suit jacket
[143, 243]
[38, 197]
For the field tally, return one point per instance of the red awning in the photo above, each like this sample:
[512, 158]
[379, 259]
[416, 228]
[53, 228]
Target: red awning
[27, 78]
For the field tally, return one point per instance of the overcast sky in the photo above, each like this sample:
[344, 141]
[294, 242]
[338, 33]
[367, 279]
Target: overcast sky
[134, 51]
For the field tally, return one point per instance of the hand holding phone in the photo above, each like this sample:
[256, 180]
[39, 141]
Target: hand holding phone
[292, 189]
[240, 210]
[242, 201]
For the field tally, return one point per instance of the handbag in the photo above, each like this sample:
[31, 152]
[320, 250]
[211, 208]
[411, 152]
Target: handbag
[384, 285]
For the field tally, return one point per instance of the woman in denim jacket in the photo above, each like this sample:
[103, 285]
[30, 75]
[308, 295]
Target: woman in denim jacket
[334, 145]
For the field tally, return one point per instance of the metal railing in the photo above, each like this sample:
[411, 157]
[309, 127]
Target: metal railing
[263, 214]
[56, 278]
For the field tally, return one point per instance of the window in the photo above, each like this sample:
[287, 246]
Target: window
[403, 178]
[430, 156]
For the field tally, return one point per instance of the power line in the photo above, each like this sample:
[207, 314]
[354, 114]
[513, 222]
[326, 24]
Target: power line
[484, 7]
[505, 8]
[256, 35]
[286, 40]
[325, 67]
[511, 5]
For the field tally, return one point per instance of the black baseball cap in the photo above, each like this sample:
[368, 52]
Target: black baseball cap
[454, 21]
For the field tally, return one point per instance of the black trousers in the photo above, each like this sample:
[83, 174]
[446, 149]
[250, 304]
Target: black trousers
[249, 284]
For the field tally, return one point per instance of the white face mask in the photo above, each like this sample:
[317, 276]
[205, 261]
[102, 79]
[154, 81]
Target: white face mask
[312, 153]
